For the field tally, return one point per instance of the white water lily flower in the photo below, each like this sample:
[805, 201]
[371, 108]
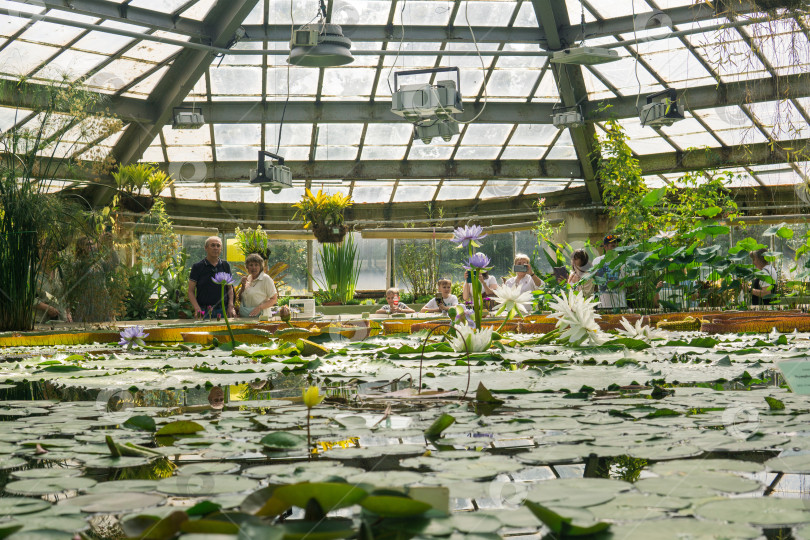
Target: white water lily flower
[576, 316]
[643, 333]
[476, 340]
[512, 300]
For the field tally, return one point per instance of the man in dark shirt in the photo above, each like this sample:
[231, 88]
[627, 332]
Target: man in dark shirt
[202, 291]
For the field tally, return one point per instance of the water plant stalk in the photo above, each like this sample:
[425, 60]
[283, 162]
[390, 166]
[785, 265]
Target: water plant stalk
[225, 313]
[476, 290]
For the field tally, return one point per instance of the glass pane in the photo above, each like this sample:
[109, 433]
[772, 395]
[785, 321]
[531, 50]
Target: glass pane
[371, 252]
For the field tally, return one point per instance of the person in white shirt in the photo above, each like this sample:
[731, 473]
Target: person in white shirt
[257, 292]
[524, 277]
[393, 305]
[444, 300]
[761, 290]
[610, 298]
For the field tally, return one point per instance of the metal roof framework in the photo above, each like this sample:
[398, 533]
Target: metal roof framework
[153, 55]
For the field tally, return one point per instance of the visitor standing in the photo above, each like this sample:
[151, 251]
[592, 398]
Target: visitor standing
[202, 291]
[609, 297]
[761, 290]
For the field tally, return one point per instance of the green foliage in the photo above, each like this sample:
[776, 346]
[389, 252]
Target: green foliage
[253, 241]
[158, 250]
[33, 222]
[136, 177]
[639, 213]
[341, 270]
[173, 302]
[142, 286]
[418, 265]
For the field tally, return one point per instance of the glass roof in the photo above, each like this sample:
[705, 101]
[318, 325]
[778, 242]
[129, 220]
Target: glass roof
[125, 48]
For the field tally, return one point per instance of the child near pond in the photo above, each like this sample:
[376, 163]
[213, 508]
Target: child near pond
[393, 305]
[444, 300]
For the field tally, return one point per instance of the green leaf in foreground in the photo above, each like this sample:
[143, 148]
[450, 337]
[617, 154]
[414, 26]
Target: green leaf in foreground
[330, 495]
[441, 423]
[387, 503]
[142, 422]
[562, 526]
[180, 427]
[775, 404]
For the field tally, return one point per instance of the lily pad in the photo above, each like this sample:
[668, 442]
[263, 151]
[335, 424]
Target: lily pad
[14, 506]
[49, 486]
[762, 511]
[113, 503]
[282, 440]
[205, 485]
[680, 528]
[799, 464]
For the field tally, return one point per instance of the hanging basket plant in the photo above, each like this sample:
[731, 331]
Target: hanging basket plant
[133, 179]
[326, 234]
[324, 214]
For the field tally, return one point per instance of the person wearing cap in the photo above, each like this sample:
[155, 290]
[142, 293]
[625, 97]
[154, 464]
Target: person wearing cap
[609, 298]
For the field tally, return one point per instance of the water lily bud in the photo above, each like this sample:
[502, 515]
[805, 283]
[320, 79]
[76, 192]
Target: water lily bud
[311, 396]
[284, 313]
[452, 313]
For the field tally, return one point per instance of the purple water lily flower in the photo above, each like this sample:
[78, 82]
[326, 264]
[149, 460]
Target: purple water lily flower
[224, 278]
[132, 336]
[466, 234]
[478, 260]
[465, 313]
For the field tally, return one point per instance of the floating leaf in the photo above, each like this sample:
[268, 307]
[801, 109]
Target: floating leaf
[282, 440]
[762, 511]
[180, 427]
[142, 422]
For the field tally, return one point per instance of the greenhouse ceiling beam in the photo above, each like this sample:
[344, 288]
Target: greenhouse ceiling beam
[234, 171]
[568, 33]
[125, 13]
[472, 169]
[143, 112]
[223, 19]
[552, 16]
[733, 156]
[351, 112]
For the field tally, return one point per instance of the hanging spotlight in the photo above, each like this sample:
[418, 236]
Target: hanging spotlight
[273, 176]
[567, 117]
[320, 44]
[662, 109]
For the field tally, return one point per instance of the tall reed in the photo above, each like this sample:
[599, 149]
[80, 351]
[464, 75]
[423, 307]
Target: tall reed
[340, 268]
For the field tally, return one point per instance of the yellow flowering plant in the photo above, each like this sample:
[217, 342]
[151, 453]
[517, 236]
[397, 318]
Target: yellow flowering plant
[322, 209]
[311, 397]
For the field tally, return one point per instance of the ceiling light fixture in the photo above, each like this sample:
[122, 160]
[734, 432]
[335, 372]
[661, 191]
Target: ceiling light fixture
[320, 44]
[662, 109]
[272, 176]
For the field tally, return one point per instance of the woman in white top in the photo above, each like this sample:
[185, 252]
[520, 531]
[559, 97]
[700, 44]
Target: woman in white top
[257, 292]
[524, 277]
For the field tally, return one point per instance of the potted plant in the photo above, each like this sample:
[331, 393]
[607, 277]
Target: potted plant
[132, 179]
[340, 267]
[324, 214]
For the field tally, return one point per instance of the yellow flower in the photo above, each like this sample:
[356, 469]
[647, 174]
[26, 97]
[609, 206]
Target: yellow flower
[311, 396]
